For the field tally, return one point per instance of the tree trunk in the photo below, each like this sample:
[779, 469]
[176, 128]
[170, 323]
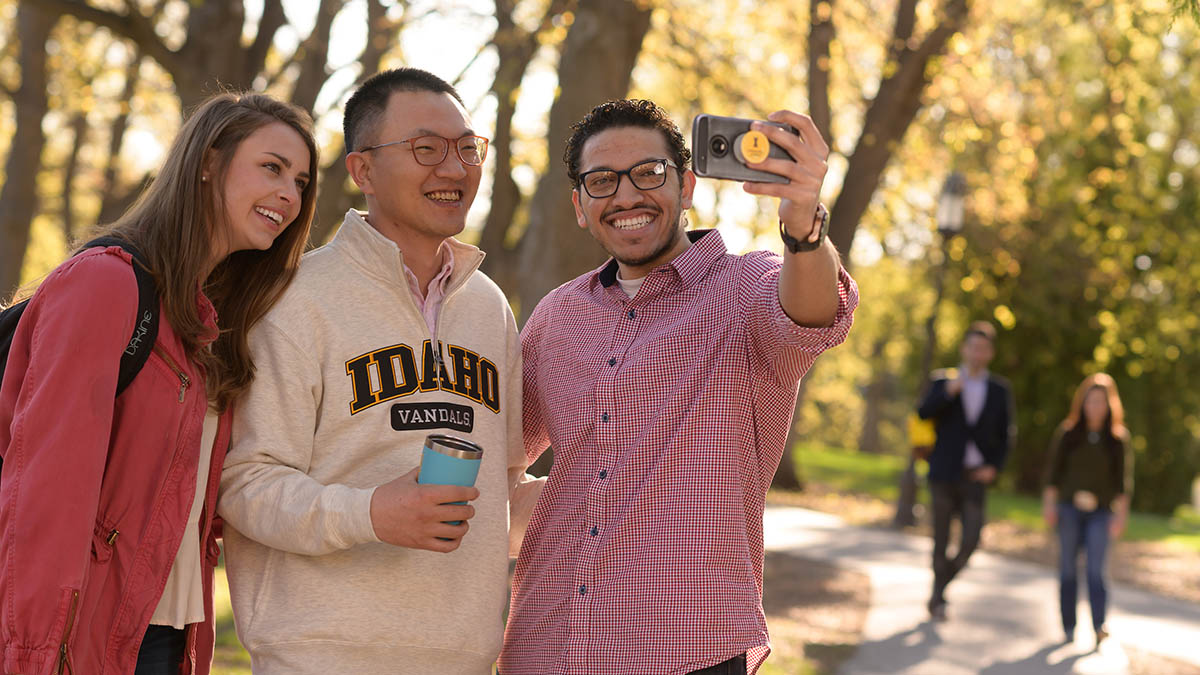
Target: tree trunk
[117, 199]
[18, 197]
[598, 58]
[79, 127]
[875, 397]
[516, 49]
[889, 116]
[334, 198]
[314, 55]
[887, 119]
[788, 476]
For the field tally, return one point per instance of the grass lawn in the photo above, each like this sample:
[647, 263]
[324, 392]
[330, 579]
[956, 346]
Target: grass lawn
[877, 475]
[230, 658]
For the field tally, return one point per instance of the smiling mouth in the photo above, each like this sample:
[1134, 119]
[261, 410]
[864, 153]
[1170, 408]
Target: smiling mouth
[632, 222]
[273, 215]
[445, 196]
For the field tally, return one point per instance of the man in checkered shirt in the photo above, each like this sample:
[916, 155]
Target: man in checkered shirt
[665, 381]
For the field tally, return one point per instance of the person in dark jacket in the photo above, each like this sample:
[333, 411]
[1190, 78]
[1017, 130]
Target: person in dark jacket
[1088, 481]
[107, 502]
[973, 416]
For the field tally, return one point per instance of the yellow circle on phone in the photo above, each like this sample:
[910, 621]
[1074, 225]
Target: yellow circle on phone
[755, 146]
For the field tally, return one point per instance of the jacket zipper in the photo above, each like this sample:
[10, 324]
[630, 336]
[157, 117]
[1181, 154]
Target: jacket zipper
[64, 655]
[184, 380]
[112, 536]
[437, 323]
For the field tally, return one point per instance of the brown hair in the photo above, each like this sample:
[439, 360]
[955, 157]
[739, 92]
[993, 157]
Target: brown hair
[983, 329]
[176, 221]
[625, 113]
[1115, 424]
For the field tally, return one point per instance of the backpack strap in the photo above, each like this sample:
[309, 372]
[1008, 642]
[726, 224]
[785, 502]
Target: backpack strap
[145, 326]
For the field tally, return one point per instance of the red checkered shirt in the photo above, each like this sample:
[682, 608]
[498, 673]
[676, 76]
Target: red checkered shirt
[668, 414]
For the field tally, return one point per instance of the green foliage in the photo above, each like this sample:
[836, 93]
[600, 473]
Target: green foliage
[1188, 7]
[1075, 125]
[1097, 272]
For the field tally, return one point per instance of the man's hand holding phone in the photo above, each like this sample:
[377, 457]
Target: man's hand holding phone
[796, 154]
[805, 171]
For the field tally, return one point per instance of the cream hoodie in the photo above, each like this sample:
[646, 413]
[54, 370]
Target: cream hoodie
[346, 389]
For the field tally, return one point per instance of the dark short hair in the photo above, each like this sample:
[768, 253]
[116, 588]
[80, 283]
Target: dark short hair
[369, 102]
[983, 329]
[625, 113]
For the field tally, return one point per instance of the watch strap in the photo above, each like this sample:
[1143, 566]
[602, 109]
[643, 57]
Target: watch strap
[799, 246]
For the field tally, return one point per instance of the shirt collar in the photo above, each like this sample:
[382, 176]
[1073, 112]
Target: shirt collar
[966, 374]
[707, 248]
[380, 255]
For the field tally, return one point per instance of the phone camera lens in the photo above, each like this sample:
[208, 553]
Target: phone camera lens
[719, 146]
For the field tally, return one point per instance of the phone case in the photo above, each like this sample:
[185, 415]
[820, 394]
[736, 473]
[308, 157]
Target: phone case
[716, 149]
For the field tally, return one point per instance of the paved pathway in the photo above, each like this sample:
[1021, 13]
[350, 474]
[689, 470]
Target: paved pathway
[1003, 613]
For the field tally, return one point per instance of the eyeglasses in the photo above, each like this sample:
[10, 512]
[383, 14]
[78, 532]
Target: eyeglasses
[432, 150]
[648, 175]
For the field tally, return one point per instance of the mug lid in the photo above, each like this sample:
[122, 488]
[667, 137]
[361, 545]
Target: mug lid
[453, 445]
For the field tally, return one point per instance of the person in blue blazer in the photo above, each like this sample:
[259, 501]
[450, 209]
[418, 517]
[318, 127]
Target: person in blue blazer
[972, 411]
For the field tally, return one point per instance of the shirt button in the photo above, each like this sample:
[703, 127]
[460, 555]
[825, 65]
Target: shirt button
[612, 362]
[595, 531]
[583, 590]
[604, 417]
[632, 314]
[604, 473]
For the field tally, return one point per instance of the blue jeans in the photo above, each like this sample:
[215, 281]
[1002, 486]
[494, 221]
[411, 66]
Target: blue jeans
[1088, 531]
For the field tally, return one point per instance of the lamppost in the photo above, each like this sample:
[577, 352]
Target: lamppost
[951, 209]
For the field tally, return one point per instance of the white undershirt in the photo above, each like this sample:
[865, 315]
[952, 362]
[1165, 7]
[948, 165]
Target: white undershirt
[182, 601]
[974, 395]
[630, 286]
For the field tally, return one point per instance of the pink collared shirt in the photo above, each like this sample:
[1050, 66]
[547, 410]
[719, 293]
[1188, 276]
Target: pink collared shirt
[431, 304]
[668, 414]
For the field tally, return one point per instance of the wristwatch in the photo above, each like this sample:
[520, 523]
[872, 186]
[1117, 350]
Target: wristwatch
[797, 246]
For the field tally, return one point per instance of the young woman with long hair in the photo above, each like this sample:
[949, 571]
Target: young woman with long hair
[107, 537]
[1088, 482]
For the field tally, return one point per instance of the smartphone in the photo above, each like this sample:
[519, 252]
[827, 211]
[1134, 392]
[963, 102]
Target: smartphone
[717, 149]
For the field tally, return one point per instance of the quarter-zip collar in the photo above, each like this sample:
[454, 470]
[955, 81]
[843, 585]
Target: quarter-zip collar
[381, 257]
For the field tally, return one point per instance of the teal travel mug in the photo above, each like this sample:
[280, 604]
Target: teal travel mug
[449, 460]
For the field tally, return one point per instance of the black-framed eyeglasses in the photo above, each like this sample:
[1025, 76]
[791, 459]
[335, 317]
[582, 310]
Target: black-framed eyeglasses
[432, 150]
[648, 175]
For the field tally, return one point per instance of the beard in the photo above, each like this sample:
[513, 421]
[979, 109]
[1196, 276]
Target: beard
[652, 256]
[660, 251]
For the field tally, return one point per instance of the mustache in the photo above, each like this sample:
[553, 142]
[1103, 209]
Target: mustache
[648, 207]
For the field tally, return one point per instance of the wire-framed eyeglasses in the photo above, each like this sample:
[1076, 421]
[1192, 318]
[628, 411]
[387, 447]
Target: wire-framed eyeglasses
[432, 150]
[648, 175]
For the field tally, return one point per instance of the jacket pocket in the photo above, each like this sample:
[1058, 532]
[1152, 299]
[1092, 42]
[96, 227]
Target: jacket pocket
[64, 664]
[104, 538]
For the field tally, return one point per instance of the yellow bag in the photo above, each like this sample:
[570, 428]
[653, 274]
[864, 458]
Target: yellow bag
[921, 435]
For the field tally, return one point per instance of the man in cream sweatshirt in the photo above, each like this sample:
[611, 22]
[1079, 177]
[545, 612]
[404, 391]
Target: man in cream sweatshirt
[338, 560]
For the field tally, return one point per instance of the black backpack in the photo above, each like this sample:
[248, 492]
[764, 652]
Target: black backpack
[145, 330]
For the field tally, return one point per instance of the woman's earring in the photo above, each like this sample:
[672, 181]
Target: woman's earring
[203, 179]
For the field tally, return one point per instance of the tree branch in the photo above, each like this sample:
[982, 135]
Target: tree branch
[272, 20]
[132, 25]
[820, 36]
[906, 20]
[335, 199]
[888, 118]
[314, 56]
[115, 200]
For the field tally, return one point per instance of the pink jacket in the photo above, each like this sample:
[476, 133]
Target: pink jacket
[95, 492]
